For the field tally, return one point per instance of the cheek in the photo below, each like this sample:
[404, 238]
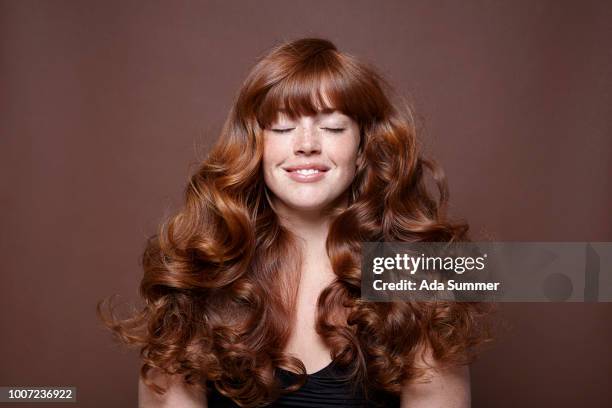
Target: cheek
[274, 154]
[345, 152]
[271, 153]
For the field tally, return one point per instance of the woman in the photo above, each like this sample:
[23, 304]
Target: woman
[252, 290]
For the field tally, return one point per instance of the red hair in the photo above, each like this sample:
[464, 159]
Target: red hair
[219, 279]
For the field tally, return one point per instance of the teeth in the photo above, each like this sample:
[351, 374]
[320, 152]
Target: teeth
[307, 171]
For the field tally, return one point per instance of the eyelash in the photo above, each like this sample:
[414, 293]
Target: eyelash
[332, 130]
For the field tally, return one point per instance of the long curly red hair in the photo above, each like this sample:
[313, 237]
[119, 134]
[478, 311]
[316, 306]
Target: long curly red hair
[219, 283]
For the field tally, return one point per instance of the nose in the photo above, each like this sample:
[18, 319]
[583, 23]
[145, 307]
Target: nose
[307, 141]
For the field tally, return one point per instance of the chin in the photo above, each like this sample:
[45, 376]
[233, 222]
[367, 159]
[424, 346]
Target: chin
[305, 202]
[309, 206]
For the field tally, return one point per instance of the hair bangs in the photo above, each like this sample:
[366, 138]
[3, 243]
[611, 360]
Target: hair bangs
[320, 86]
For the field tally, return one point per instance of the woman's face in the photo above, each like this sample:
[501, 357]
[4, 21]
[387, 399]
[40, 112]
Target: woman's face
[309, 162]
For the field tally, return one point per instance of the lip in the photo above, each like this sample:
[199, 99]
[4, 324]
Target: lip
[306, 166]
[292, 172]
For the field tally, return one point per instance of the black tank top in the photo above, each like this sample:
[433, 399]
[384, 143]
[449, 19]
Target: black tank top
[325, 388]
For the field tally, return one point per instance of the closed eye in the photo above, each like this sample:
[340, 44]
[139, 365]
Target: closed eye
[285, 130]
[334, 130]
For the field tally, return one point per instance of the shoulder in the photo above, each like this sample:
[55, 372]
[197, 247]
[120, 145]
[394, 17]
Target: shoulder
[178, 394]
[438, 386]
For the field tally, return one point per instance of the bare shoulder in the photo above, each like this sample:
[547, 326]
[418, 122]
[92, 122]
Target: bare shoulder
[178, 393]
[441, 387]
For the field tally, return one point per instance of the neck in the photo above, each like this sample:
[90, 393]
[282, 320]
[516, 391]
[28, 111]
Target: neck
[311, 231]
[310, 227]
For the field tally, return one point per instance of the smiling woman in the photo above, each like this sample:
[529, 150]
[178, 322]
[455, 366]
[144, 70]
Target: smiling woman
[252, 290]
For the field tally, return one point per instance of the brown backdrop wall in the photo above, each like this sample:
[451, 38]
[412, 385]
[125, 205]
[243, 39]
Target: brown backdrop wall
[104, 106]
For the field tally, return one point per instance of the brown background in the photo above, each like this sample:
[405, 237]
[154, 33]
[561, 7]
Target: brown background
[105, 105]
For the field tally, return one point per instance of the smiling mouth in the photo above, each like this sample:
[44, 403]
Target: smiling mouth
[306, 171]
[306, 168]
[306, 174]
